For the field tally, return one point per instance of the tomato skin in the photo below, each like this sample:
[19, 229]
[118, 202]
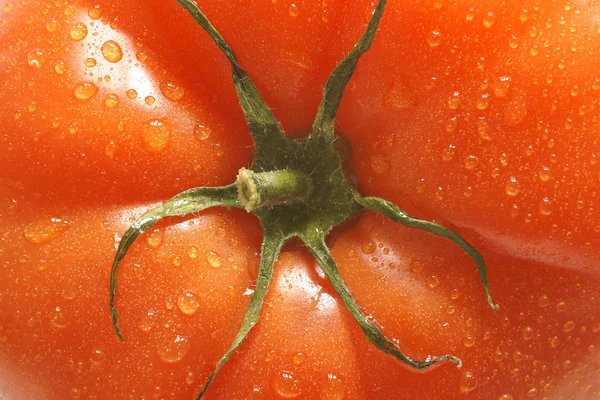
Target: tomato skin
[98, 171]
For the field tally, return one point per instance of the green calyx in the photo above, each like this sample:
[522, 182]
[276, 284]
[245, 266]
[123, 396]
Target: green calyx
[297, 188]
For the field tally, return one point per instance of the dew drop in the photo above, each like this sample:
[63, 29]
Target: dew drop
[90, 62]
[483, 130]
[111, 51]
[554, 342]
[111, 100]
[527, 333]
[52, 25]
[156, 135]
[568, 326]
[333, 388]
[147, 322]
[399, 97]
[97, 356]
[471, 162]
[545, 206]
[60, 68]
[95, 12]
[75, 393]
[58, 319]
[155, 238]
[368, 247]
[544, 173]
[467, 382]
[433, 281]
[131, 93]
[36, 58]
[78, 31]
[201, 132]
[483, 102]
[596, 327]
[141, 56]
[171, 91]
[417, 265]
[506, 396]
[149, 100]
[501, 87]
[512, 187]
[174, 349]
[434, 38]
[543, 301]
[379, 164]
[561, 306]
[469, 341]
[450, 125]
[45, 230]
[214, 259]
[293, 10]
[454, 101]
[298, 358]
[85, 90]
[285, 385]
[188, 303]
[488, 19]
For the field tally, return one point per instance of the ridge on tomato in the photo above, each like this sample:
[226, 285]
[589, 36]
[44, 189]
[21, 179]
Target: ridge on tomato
[480, 117]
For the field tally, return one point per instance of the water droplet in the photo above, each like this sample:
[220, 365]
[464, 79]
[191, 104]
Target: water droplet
[505, 396]
[532, 392]
[467, 382]
[147, 322]
[469, 341]
[141, 56]
[149, 100]
[368, 247]
[131, 93]
[417, 265]
[554, 342]
[450, 125]
[78, 31]
[433, 281]
[512, 186]
[454, 101]
[437, 4]
[545, 207]
[293, 10]
[568, 326]
[172, 91]
[483, 130]
[515, 109]
[188, 303]
[60, 68]
[488, 19]
[400, 96]
[90, 62]
[379, 164]
[298, 358]
[97, 356]
[501, 86]
[156, 135]
[527, 333]
[155, 238]
[561, 306]
[285, 385]
[58, 319]
[36, 58]
[112, 51]
[95, 12]
[596, 327]
[434, 38]
[471, 162]
[111, 100]
[75, 393]
[173, 349]
[483, 102]
[333, 388]
[201, 132]
[513, 41]
[45, 230]
[52, 25]
[543, 301]
[544, 173]
[214, 259]
[85, 90]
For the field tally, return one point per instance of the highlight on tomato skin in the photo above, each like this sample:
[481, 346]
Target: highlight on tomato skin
[479, 115]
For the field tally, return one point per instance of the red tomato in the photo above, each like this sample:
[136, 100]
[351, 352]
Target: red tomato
[480, 115]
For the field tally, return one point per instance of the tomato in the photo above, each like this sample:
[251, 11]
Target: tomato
[478, 115]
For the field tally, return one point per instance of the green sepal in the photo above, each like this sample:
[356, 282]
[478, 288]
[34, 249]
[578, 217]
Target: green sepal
[319, 250]
[323, 129]
[266, 131]
[271, 246]
[190, 201]
[394, 213]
